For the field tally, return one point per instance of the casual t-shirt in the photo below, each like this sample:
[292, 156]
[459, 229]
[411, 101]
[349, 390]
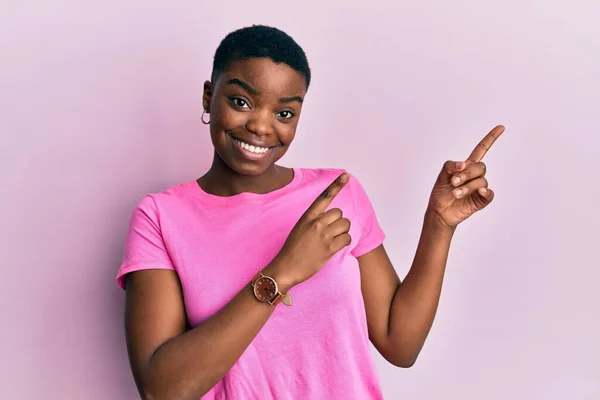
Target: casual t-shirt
[316, 349]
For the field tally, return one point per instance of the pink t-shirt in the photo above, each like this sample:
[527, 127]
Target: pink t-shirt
[318, 348]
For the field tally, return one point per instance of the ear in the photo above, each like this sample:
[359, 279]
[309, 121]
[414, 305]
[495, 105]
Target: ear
[207, 95]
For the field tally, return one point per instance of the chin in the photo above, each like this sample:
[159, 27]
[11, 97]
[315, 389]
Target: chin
[247, 168]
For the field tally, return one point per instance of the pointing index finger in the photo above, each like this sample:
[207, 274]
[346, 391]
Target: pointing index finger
[485, 144]
[324, 200]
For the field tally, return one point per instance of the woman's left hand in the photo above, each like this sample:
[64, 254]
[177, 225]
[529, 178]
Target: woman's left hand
[461, 188]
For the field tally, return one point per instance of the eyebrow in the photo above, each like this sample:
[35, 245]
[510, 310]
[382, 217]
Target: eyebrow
[250, 89]
[291, 99]
[243, 85]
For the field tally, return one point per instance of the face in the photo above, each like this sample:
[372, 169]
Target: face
[254, 109]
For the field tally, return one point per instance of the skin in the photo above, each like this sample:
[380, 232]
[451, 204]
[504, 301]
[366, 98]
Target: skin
[260, 102]
[246, 103]
[399, 330]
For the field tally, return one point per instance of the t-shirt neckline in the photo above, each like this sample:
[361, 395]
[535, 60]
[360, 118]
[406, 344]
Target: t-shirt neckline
[248, 197]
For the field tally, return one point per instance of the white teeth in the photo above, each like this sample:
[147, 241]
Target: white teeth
[250, 148]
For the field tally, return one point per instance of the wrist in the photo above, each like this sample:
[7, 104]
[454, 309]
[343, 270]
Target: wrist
[435, 224]
[276, 270]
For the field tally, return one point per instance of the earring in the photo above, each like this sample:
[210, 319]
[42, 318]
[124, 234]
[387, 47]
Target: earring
[202, 118]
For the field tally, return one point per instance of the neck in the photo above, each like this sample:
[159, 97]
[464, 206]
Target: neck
[221, 180]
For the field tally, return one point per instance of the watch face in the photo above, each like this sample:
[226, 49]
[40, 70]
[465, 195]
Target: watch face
[265, 288]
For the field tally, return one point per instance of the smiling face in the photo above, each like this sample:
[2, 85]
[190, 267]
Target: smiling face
[254, 110]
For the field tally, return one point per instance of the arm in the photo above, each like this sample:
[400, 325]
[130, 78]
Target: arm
[400, 314]
[170, 363]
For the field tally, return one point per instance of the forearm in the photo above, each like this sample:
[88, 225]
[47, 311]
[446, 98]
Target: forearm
[416, 300]
[189, 365]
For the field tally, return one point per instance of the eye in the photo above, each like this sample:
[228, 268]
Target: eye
[285, 114]
[239, 102]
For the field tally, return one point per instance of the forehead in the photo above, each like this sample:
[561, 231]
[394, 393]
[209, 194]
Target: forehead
[266, 76]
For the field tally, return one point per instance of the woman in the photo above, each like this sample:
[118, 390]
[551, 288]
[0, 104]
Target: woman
[259, 281]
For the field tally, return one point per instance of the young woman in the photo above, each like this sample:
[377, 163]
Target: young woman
[259, 281]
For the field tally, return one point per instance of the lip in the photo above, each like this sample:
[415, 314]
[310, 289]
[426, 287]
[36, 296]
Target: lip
[248, 155]
[253, 143]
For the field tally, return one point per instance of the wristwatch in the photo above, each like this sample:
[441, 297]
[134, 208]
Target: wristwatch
[266, 291]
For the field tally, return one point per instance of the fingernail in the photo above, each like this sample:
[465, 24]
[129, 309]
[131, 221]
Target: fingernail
[343, 177]
[482, 190]
[456, 180]
[458, 192]
[459, 164]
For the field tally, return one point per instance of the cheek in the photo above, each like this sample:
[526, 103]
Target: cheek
[287, 134]
[226, 118]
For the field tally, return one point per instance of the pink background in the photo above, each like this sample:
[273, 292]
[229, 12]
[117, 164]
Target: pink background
[100, 104]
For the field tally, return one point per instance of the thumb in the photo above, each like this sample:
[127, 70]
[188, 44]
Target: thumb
[483, 198]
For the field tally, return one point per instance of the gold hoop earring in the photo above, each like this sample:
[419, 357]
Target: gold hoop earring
[202, 118]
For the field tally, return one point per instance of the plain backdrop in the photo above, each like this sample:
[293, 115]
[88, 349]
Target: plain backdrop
[100, 103]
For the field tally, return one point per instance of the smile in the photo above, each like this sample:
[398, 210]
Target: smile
[251, 148]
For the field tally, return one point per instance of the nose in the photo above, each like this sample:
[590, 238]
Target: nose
[260, 123]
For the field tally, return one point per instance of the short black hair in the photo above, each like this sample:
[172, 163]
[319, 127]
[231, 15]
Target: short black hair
[260, 41]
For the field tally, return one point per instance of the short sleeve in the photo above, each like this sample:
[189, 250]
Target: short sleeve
[144, 244]
[371, 234]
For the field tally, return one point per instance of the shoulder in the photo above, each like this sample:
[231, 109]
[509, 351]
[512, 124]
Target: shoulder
[353, 196]
[323, 177]
[319, 174]
[168, 199]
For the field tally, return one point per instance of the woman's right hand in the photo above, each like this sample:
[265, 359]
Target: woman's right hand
[315, 238]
